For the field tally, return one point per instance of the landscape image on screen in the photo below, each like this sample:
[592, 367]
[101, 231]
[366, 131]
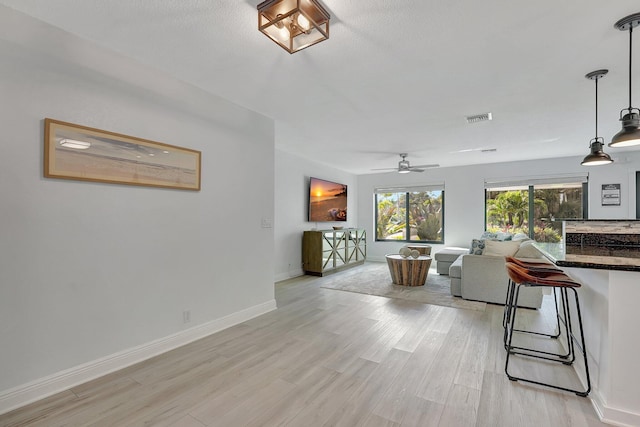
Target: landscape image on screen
[327, 201]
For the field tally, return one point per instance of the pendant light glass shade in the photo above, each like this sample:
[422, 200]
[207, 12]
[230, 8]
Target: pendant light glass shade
[630, 133]
[597, 157]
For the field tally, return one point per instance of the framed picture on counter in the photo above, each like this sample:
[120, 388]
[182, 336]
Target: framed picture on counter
[610, 194]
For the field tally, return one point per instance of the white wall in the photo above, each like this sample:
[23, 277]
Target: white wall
[292, 197]
[464, 193]
[622, 172]
[89, 270]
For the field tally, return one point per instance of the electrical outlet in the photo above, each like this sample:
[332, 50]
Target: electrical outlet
[186, 316]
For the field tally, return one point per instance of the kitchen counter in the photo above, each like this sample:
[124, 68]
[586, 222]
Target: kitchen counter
[587, 258]
[598, 244]
[604, 256]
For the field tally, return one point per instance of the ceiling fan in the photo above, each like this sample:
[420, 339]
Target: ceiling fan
[405, 167]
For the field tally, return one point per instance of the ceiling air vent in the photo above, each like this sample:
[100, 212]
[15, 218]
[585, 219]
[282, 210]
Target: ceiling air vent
[484, 117]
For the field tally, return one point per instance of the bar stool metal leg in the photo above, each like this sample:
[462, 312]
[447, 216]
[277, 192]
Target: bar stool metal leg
[510, 317]
[508, 308]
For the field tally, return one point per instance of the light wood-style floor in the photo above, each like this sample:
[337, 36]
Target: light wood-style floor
[325, 358]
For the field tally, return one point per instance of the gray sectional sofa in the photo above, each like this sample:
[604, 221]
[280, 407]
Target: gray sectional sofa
[484, 277]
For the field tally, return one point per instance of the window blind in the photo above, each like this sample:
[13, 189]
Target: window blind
[405, 189]
[536, 180]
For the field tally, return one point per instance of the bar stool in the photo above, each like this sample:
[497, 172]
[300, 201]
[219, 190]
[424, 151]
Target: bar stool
[540, 268]
[549, 273]
[520, 277]
[545, 271]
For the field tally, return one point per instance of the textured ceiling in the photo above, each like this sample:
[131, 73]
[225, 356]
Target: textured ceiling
[395, 76]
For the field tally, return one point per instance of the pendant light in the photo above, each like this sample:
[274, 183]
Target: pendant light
[630, 133]
[597, 157]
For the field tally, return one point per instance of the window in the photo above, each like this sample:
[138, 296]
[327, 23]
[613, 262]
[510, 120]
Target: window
[537, 208]
[410, 214]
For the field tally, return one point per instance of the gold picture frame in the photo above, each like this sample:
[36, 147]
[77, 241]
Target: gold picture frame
[86, 154]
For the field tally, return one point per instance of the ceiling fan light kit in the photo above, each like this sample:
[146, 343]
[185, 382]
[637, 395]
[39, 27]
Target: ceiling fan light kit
[405, 167]
[293, 24]
[630, 133]
[597, 156]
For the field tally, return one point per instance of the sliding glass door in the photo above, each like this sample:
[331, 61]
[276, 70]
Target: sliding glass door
[535, 209]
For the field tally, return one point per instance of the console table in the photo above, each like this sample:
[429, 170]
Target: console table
[408, 271]
[328, 251]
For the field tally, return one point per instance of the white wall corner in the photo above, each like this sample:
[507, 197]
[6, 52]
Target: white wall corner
[44, 387]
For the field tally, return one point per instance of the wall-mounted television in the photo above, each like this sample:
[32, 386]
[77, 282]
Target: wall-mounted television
[327, 201]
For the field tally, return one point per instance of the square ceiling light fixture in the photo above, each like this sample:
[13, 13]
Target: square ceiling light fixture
[293, 24]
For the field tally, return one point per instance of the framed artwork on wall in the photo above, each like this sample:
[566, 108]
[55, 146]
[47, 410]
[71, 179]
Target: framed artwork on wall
[82, 153]
[610, 194]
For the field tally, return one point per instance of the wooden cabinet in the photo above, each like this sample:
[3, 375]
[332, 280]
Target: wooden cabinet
[327, 251]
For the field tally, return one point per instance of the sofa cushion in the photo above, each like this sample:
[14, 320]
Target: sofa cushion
[527, 250]
[449, 254]
[489, 235]
[496, 248]
[477, 246]
[498, 235]
[455, 269]
[504, 236]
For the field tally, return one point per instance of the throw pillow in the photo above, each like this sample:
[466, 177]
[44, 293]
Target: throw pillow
[527, 250]
[489, 235]
[504, 236]
[520, 236]
[477, 246]
[497, 248]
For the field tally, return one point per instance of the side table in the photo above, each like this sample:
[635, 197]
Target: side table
[408, 271]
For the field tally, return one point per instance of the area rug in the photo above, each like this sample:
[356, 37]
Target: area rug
[373, 278]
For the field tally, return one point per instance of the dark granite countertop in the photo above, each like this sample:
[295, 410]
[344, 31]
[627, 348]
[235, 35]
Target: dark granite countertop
[555, 252]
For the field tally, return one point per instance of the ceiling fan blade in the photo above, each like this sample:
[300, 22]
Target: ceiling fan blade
[435, 165]
[385, 169]
[412, 169]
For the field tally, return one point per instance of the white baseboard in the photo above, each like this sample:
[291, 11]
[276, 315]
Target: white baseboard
[613, 416]
[60, 381]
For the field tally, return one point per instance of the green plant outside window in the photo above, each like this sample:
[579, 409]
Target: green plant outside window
[416, 216]
[535, 210]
